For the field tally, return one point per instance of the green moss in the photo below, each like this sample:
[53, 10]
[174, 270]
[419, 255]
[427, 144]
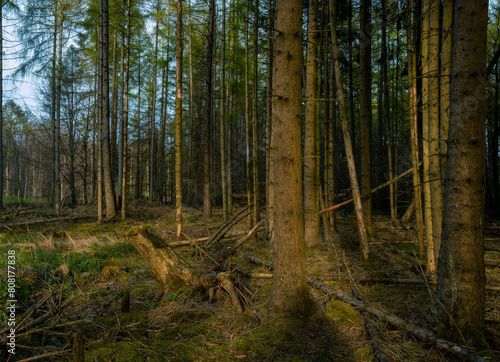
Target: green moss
[364, 354]
[123, 351]
[338, 313]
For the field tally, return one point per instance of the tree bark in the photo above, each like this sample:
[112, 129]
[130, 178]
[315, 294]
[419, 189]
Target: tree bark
[431, 262]
[152, 143]
[269, 126]
[247, 116]
[311, 200]
[178, 122]
[290, 291]
[461, 272]
[108, 181]
[207, 194]
[365, 107]
[127, 6]
[223, 163]
[434, 128]
[255, 141]
[412, 87]
[386, 115]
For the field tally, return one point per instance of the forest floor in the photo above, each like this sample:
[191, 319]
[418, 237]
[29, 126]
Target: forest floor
[71, 276]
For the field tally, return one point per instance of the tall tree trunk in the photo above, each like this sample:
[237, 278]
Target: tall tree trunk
[351, 76]
[363, 235]
[365, 109]
[191, 173]
[138, 190]
[58, 115]
[269, 126]
[385, 107]
[311, 199]
[412, 87]
[71, 144]
[461, 271]
[114, 115]
[434, 128]
[108, 181]
[152, 144]
[1, 110]
[290, 291]
[255, 142]
[121, 146]
[331, 146]
[207, 194]
[56, 196]
[247, 116]
[431, 262]
[445, 82]
[178, 121]
[223, 163]
[99, 122]
[127, 6]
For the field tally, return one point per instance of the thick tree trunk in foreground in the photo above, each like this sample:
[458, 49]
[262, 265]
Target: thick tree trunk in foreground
[461, 273]
[290, 291]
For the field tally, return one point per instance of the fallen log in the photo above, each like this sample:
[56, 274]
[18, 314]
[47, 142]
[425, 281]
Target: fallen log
[167, 267]
[334, 278]
[43, 221]
[170, 270]
[382, 314]
[371, 330]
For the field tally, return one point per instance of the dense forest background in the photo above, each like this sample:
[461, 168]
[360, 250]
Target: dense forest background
[293, 114]
[59, 53]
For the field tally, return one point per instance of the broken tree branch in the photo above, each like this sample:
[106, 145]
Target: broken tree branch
[201, 240]
[334, 207]
[219, 234]
[224, 254]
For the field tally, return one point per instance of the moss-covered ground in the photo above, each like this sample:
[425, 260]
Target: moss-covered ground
[82, 270]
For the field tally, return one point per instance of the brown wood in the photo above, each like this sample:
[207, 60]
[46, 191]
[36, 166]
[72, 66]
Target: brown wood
[396, 321]
[224, 254]
[126, 302]
[78, 350]
[334, 207]
[206, 238]
[363, 235]
[409, 212]
[167, 267]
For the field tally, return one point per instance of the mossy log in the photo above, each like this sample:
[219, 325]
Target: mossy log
[168, 268]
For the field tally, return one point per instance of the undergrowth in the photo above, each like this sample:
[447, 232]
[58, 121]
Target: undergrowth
[88, 269]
